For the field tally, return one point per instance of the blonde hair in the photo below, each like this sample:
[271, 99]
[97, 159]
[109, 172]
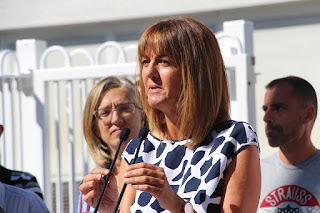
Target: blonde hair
[204, 96]
[98, 149]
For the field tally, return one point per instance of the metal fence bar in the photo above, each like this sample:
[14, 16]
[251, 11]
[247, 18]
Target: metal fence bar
[11, 98]
[58, 119]
[71, 140]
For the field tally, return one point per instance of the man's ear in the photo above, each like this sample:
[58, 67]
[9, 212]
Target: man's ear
[309, 113]
[1, 129]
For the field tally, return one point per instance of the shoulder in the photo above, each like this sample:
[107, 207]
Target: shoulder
[17, 177]
[18, 192]
[25, 180]
[242, 132]
[231, 137]
[15, 193]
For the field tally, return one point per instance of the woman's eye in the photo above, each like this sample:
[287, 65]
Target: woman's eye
[123, 109]
[164, 62]
[144, 62]
[105, 112]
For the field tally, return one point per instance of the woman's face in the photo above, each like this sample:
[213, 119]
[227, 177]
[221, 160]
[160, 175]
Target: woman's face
[109, 130]
[162, 81]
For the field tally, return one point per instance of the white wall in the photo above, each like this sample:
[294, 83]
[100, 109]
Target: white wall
[17, 14]
[282, 51]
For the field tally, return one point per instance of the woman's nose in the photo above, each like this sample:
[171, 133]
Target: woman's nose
[116, 117]
[152, 70]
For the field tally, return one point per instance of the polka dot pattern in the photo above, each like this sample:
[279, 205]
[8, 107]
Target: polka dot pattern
[195, 175]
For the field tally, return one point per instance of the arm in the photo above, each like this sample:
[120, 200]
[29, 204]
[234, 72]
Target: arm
[242, 182]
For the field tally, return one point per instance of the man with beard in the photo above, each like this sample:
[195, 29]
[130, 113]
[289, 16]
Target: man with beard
[290, 177]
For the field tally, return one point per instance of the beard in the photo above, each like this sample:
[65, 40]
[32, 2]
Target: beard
[275, 135]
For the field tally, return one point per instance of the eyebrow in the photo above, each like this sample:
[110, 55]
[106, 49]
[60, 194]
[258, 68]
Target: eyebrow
[117, 105]
[158, 56]
[163, 55]
[274, 104]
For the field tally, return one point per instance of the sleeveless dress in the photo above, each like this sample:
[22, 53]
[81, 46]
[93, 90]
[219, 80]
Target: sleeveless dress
[195, 175]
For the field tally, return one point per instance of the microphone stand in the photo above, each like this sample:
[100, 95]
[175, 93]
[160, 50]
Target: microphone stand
[123, 137]
[142, 135]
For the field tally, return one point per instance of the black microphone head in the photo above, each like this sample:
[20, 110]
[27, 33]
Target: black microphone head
[125, 132]
[143, 133]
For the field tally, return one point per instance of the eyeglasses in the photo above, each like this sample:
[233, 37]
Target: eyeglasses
[125, 111]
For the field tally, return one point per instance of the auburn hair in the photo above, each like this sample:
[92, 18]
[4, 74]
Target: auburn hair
[204, 95]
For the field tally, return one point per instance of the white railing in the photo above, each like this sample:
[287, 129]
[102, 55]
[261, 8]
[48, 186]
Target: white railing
[42, 107]
[11, 99]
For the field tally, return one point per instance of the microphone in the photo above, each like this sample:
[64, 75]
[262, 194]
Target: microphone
[142, 136]
[123, 137]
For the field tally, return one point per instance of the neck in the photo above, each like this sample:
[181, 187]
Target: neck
[296, 153]
[171, 130]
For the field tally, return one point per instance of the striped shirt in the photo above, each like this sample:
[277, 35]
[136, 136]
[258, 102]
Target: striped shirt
[81, 205]
[14, 199]
[20, 179]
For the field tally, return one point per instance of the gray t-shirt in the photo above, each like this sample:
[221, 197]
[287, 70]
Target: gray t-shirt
[286, 188]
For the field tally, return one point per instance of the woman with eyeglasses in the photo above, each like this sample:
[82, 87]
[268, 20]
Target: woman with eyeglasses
[111, 105]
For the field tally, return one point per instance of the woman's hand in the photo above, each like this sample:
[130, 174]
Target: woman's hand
[92, 186]
[152, 179]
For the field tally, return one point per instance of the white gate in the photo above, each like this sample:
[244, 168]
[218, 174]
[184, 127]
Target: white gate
[42, 107]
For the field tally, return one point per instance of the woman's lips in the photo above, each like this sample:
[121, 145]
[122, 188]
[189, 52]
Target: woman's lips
[154, 89]
[116, 131]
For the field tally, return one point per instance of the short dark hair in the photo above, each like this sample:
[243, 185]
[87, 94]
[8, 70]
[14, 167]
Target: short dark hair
[301, 87]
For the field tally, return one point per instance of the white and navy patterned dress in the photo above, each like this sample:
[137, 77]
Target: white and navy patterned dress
[194, 175]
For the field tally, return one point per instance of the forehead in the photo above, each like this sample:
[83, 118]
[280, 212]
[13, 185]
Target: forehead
[117, 95]
[152, 50]
[282, 93]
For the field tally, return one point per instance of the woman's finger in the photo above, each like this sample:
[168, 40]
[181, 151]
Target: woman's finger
[145, 170]
[101, 171]
[85, 187]
[91, 182]
[141, 165]
[89, 198]
[145, 180]
[92, 177]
